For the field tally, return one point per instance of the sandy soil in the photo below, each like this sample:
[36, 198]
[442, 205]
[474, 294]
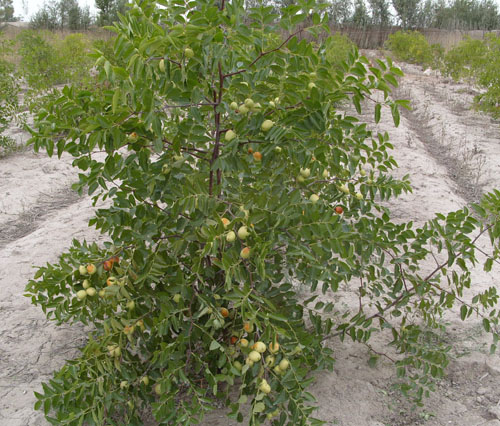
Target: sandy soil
[451, 153]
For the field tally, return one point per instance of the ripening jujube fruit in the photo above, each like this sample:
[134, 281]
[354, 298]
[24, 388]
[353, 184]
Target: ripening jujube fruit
[260, 347]
[274, 347]
[254, 356]
[245, 253]
[243, 233]
[266, 125]
[305, 172]
[81, 294]
[229, 136]
[284, 364]
[248, 327]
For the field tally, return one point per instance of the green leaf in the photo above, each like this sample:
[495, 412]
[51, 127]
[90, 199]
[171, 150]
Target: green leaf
[214, 345]
[378, 109]
[486, 324]
[463, 312]
[372, 361]
[116, 99]
[395, 114]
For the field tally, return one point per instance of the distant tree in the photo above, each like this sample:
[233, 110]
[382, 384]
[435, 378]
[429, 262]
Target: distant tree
[105, 8]
[380, 14]
[426, 14]
[69, 14]
[64, 14]
[7, 11]
[441, 14]
[85, 18]
[488, 17]
[340, 11]
[46, 18]
[109, 9]
[467, 15]
[74, 18]
[120, 7]
[408, 12]
[360, 17]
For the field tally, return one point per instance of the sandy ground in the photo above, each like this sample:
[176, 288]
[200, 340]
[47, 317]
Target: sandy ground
[452, 154]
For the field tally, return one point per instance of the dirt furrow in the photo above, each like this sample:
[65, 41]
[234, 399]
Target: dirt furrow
[27, 180]
[465, 141]
[31, 218]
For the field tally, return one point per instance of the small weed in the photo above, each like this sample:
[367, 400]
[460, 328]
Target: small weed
[7, 146]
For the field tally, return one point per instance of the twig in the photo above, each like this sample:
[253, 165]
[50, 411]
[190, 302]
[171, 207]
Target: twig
[262, 54]
[378, 353]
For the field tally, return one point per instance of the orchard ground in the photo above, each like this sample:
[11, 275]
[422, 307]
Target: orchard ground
[451, 153]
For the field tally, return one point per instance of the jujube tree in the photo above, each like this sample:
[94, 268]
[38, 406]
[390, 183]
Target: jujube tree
[233, 176]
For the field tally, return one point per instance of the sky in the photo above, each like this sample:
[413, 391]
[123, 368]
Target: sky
[34, 5]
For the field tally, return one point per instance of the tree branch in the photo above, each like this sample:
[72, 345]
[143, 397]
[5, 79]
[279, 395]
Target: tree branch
[262, 54]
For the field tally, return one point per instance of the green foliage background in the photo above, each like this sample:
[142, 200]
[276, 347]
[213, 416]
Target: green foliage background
[413, 47]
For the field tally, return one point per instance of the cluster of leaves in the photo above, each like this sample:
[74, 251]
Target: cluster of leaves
[234, 178]
[413, 47]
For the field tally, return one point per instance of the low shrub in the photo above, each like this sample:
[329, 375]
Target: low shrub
[478, 61]
[413, 47]
[48, 60]
[465, 59]
[74, 57]
[337, 49]
[488, 78]
[7, 145]
[39, 64]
